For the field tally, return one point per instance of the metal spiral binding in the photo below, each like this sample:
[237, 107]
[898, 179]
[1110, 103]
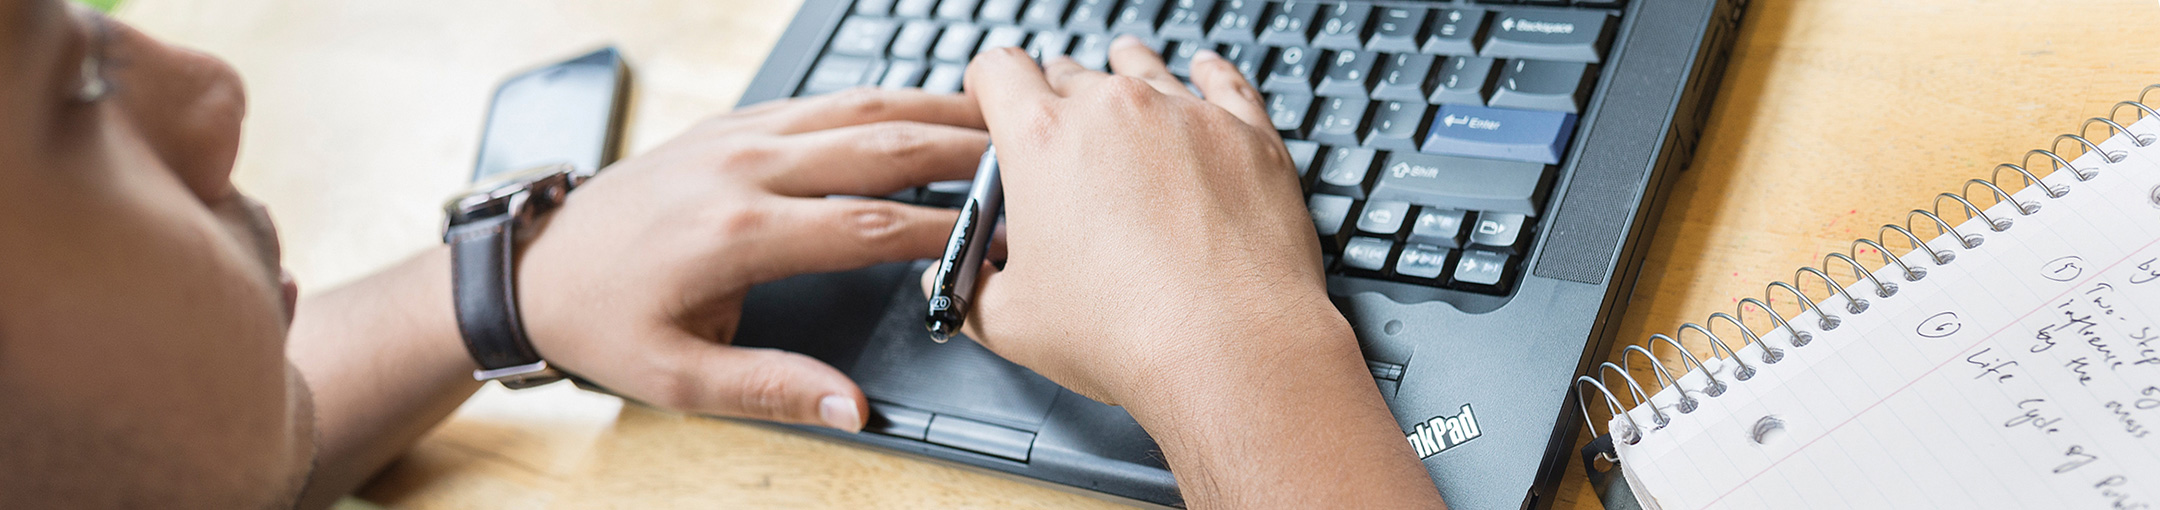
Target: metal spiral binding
[1827, 321]
[1771, 354]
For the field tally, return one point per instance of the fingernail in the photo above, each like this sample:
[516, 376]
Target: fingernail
[1206, 55]
[1058, 58]
[839, 412]
[1125, 40]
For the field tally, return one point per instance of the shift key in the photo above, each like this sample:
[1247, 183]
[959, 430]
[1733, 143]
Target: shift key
[1463, 183]
[1499, 133]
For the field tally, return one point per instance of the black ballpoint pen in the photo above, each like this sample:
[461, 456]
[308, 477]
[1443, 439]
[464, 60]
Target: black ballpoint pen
[954, 284]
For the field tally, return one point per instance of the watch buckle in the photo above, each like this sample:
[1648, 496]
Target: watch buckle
[520, 376]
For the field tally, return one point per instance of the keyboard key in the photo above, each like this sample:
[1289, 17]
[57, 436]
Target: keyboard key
[1499, 232]
[864, 37]
[1455, 32]
[1301, 154]
[1480, 132]
[1292, 71]
[1338, 120]
[1291, 24]
[957, 10]
[1090, 16]
[1093, 51]
[1048, 43]
[1342, 26]
[915, 40]
[1480, 267]
[1239, 21]
[1187, 20]
[1002, 37]
[1437, 227]
[1288, 111]
[1383, 217]
[1549, 34]
[1396, 124]
[1346, 172]
[838, 72]
[1421, 261]
[1462, 183]
[1044, 14]
[1543, 85]
[1000, 11]
[1138, 17]
[1179, 59]
[1463, 80]
[957, 43]
[1329, 213]
[1248, 58]
[1367, 253]
[945, 78]
[1347, 73]
[918, 9]
[873, 7]
[1395, 30]
[903, 74]
[1402, 77]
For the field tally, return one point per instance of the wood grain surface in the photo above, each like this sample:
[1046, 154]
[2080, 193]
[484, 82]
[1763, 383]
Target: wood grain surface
[1836, 116]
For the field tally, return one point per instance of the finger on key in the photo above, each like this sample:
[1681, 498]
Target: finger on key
[1129, 57]
[860, 106]
[1004, 80]
[1067, 76]
[1223, 86]
[874, 159]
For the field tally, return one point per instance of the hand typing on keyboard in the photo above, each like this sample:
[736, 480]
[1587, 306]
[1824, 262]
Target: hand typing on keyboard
[1161, 257]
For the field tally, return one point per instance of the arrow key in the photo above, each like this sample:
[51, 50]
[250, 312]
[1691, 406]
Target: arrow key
[1480, 267]
[1438, 227]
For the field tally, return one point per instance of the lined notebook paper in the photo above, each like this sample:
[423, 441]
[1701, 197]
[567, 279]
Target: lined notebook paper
[2017, 368]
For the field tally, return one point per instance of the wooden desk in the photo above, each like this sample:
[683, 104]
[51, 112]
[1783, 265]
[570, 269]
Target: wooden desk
[1836, 116]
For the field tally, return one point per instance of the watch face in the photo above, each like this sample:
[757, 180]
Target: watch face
[517, 178]
[490, 196]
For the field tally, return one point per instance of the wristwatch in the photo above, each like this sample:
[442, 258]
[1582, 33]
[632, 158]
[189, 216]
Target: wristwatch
[483, 229]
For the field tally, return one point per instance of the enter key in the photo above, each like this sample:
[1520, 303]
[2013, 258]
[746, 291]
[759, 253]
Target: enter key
[1499, 133]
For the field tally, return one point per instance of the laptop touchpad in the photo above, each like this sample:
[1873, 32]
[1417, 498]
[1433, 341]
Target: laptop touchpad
[897, 362]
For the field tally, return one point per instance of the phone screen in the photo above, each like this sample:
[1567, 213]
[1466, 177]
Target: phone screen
[570, 112]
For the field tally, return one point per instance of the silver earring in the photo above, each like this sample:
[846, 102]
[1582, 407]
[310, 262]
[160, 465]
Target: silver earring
[94, 86]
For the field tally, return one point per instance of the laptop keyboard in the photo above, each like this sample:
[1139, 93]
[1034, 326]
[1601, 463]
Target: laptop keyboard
[1427, 135]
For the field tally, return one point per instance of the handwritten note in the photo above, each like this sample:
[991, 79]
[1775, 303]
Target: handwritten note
[2023, 373]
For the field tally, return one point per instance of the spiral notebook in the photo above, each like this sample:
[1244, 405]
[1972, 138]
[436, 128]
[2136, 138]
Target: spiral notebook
[2009, 359]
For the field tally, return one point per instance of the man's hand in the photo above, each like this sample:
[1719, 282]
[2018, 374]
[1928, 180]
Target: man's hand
[1160, 258]
[637, 282]
[1152, 234]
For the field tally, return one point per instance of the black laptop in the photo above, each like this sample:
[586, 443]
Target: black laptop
[1483, 177]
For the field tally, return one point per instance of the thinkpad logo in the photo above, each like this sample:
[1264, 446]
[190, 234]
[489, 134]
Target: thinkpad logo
[1443, 432]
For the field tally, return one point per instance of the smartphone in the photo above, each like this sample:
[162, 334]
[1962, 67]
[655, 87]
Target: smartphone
[569, 112]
